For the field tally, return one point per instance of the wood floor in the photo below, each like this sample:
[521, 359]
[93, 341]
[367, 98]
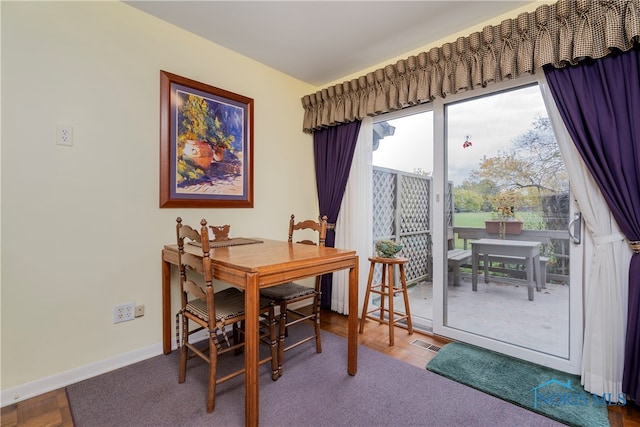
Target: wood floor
[52, 409]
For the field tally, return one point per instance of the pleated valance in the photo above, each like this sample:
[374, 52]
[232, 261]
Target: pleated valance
[559, 34]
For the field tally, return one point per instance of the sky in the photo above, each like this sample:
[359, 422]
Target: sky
[491, 123]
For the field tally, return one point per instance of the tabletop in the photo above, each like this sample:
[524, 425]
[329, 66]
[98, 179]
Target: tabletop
[274, 261]
[504, 242]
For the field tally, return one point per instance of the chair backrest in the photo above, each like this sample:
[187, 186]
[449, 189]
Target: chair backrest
[200, 264]
[320, 227]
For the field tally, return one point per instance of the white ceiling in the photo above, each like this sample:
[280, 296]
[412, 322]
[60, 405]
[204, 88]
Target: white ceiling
[321, 41]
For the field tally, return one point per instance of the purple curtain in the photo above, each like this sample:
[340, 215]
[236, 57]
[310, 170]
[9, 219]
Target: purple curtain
[599, 102]
[333, 152]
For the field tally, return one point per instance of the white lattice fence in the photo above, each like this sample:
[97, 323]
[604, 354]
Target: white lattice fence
[414, 204]
[401, 213]
[384, 204]
[417, 248]
[414, 224]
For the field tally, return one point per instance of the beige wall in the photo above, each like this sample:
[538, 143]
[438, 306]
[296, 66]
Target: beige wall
[81, 227]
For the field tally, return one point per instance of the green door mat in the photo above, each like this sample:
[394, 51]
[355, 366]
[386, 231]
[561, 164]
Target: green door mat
[549, 392]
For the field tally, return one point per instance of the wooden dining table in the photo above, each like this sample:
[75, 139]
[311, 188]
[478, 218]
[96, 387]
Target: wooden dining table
[258, 265]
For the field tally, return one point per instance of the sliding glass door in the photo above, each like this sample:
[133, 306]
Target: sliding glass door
[444, 174]
[517, 287]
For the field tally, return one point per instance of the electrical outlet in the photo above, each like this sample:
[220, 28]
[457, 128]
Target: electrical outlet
[64, 135]
[139, 311]
[123, 312]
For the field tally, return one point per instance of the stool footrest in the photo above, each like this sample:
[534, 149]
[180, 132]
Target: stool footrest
[386, 321]
[386, 293]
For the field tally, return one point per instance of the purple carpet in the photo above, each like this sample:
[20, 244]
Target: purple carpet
[315, 390]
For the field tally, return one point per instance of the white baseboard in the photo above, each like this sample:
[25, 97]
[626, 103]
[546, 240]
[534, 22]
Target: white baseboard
[54, 382]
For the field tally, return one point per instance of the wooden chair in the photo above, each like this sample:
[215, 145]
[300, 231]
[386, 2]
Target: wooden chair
[213, 312]
[288, 293]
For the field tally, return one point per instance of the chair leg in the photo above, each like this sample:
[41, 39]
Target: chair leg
[238, 337]
[273, 344]
[316, 321]
[213, 364]
[236, 334]
[282, 329]
[182, 372]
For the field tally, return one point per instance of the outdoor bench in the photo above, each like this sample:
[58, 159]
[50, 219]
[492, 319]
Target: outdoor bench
[459, 257]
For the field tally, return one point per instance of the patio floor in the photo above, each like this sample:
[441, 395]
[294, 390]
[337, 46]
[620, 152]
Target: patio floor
[501, 311]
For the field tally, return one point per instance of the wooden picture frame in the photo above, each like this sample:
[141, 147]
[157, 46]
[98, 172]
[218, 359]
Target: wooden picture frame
[206, 145]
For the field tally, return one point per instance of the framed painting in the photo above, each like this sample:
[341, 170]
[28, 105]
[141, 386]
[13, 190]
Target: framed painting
[206, 145]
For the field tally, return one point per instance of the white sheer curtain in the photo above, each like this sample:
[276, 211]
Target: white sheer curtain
[606, 272]
[354, 228]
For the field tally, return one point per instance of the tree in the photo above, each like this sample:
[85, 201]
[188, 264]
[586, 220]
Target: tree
[532, 167]
[467, 200]
[483, 188]
[546, 167]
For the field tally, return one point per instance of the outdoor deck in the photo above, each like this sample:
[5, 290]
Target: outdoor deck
[501, 311]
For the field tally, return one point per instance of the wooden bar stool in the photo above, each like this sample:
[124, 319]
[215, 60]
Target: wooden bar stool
[387, 289]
